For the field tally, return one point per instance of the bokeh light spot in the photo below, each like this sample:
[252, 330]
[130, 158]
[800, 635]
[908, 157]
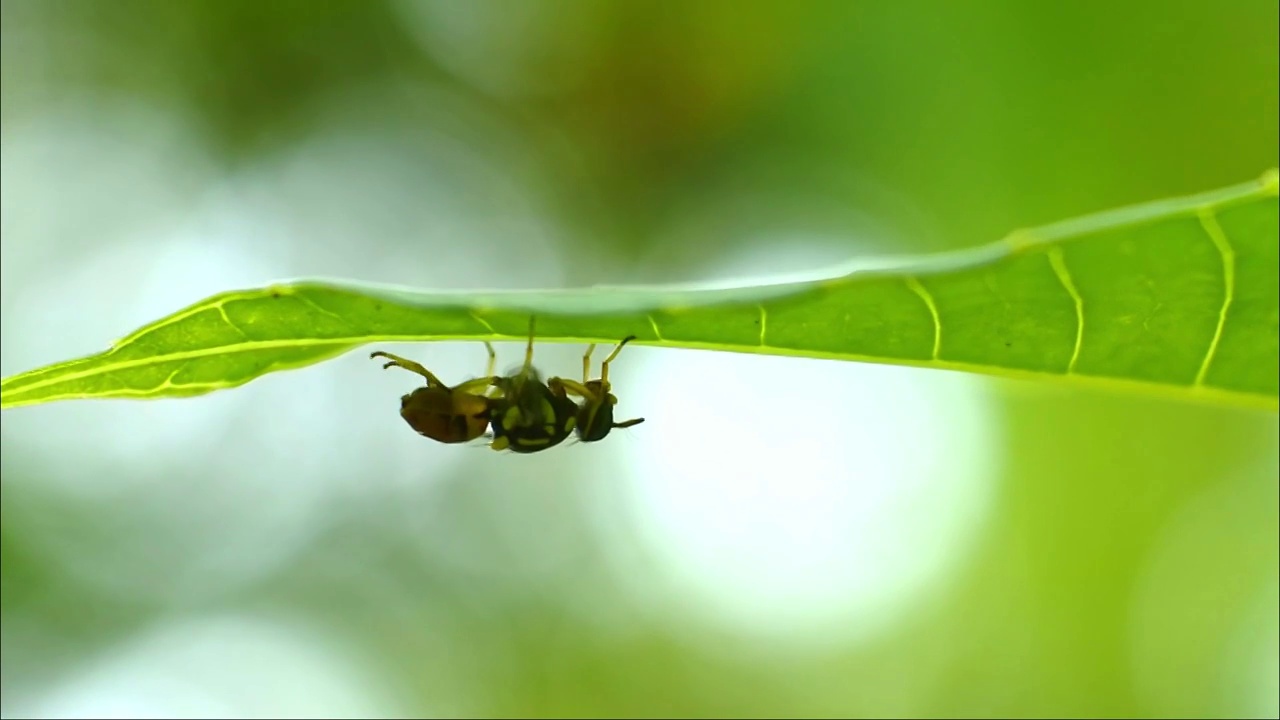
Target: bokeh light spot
[806, 500]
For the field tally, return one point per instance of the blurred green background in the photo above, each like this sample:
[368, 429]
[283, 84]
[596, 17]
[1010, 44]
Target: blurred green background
[782, 537]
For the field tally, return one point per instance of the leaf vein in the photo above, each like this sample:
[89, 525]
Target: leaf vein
[215, 303]
[222, 310]
[484, 323]
[312, 303]
[923, 293]
[1059, 264]
[250, 346]
[654, 324]
[1214, 230]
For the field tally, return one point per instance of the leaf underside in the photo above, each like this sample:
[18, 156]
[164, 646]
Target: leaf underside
[1178, 296]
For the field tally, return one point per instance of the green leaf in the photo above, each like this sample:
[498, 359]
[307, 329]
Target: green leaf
[1178, 296]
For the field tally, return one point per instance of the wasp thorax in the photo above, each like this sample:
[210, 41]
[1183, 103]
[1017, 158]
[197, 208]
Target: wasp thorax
[531, 417]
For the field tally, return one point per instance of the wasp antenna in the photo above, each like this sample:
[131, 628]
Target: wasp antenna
[604, 366]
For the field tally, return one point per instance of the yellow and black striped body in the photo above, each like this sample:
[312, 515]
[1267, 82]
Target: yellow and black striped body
[528, 417]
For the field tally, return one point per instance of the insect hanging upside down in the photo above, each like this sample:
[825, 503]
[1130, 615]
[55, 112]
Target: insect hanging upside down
[446, 414]
[523, 413]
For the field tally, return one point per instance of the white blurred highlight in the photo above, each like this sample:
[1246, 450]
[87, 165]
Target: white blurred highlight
[223, 667]
[236, 483]
[444, 199]
[799, 500]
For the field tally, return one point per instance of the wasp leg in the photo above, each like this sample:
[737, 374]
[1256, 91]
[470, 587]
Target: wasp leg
[528, 351]
[604, 366]
[483, 386]
[560, 386]
[487, 385]
[586, 363]
[411, 366]
[476, 386]
[493, 359]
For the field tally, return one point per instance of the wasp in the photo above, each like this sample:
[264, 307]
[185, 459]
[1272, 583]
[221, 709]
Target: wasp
[529, 417]
[594, 415]
[520, 411]
[447, 414]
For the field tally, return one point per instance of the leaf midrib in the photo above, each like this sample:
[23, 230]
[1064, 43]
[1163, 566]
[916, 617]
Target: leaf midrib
[1159, 388]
